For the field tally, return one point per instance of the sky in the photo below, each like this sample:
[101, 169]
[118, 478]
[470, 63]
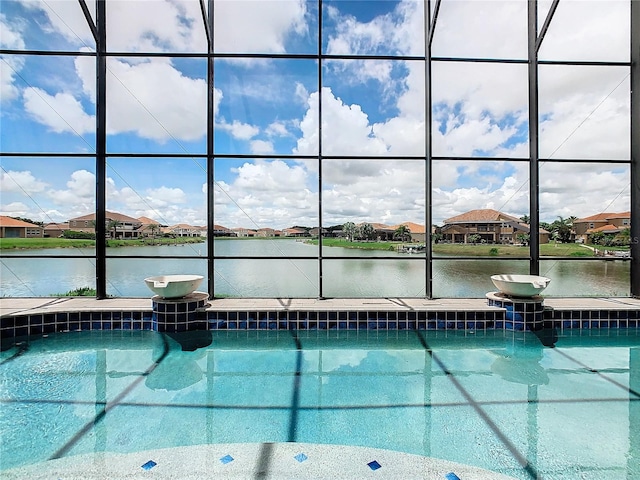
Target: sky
[370, 108]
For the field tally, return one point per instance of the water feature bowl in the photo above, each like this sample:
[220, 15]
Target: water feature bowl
[173, 286]
[520, 285]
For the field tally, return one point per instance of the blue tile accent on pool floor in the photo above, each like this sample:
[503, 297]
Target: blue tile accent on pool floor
[226, 459]
[374, 465]
[301, 457]
[149, 465]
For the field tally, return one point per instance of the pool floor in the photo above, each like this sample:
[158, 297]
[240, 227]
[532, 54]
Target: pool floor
[520, 404]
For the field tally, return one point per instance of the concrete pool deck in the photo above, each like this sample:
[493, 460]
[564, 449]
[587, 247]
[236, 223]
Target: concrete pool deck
[250, 461]
[23, 306]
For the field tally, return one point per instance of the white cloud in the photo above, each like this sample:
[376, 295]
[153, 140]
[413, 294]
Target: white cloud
[10, 65]
[346, 129]
[14, 209]
[152, 99]
[8, 71]
[156, 101]
[166, 195]
[257, 26]
[302, 94]
[239, 130]
[588, 30]
[11, 33]
[581, 190]
[259, 147]
[155, 25]
[397, 32]
[494, 29]
[82, 183]
[277, 129]
[267, 193]
[374, 191]
[65, 18]
[462, 138]
[20, 181]
[61, 112]
[167, 205]
[585, 119]
[80, 191]
[271, 176]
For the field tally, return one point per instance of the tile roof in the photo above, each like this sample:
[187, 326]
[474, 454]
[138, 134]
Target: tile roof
[605, 228]
[185, 226]
[603, 217]
[377, 226]
[620, 215]
[413, 227]
[12, 222]
[109, 216]
[482, 215]
[57, 225]
[148, 221]
[540, 230]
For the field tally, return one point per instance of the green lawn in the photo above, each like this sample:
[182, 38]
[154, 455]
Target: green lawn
[154, 241]
[38, 243]
[29, 243]
[468, 250]
[341, 242]
[546, 250]
[443, 249]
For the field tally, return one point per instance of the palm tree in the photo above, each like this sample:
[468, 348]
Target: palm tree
[402, 232]
[154, 227]
[114, 224]
[562, 228]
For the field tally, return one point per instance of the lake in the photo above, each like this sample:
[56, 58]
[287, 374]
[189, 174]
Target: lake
[399, 276]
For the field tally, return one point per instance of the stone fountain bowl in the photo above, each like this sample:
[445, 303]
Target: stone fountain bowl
[520, 285]
[173, 286]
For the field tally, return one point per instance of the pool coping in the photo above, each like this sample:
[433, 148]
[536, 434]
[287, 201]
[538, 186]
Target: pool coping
[20, 317]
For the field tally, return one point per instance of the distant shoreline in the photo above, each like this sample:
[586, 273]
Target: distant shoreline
[42, 243]
[438, 249]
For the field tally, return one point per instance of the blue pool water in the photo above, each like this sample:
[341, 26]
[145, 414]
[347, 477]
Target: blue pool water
[525, 405]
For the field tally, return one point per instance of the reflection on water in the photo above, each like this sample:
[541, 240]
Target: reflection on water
[521, 364]
[174, 373]
[499, 400]
[404, 276]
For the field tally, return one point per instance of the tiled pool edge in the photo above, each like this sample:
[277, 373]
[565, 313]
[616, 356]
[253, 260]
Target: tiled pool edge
[386, 314]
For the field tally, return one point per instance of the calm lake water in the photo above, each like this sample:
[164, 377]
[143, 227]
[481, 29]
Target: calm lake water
[401, 276]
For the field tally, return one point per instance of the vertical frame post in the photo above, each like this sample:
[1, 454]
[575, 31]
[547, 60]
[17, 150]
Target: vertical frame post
[320, 258]
[429, 27]
[101, 150]
[210, 152]
[635, 148]
[534, 204]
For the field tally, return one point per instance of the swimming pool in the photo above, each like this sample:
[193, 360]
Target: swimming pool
[523, 404]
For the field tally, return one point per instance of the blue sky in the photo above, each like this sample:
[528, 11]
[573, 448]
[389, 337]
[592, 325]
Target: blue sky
[372, 108]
